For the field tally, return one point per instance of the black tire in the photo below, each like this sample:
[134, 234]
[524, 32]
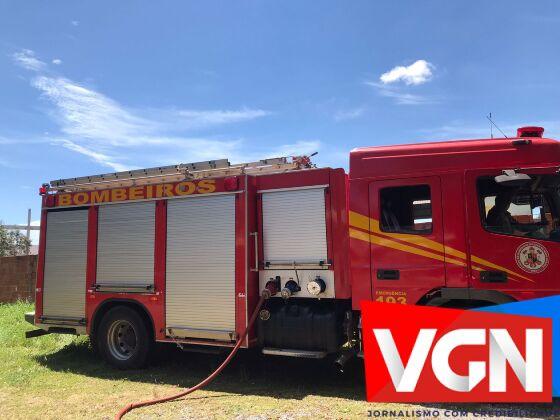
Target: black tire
[123, 339]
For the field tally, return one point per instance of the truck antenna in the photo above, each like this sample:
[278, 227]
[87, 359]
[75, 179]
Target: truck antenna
[489, 117]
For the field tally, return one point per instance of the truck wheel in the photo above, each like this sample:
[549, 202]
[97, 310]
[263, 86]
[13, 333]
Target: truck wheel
[123, 339]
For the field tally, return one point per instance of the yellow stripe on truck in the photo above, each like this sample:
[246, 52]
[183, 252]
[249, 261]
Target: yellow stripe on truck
[381, 238]
[388, 243]
[455, 252]
[360, 221]
[372, 225]
[498, 267]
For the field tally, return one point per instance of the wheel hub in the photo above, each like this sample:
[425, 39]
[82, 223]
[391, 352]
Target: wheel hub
[122, 340]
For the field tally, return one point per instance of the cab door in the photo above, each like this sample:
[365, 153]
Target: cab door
[514, 250]
[406, 238]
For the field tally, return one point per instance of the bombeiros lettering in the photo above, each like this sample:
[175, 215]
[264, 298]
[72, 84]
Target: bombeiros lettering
[132, 193]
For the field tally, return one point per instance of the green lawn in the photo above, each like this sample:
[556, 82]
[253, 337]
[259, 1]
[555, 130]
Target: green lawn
[58, 376]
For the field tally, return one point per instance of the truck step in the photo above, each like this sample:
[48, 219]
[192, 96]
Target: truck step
[306, 354]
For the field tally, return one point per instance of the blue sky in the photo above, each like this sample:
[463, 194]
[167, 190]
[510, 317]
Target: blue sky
[92, 87]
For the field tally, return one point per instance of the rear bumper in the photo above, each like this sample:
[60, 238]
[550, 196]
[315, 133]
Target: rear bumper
[56, 327]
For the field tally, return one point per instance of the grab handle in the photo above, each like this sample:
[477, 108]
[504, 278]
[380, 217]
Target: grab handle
[256, 235]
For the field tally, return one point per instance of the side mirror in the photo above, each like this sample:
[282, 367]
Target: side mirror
[510, 178]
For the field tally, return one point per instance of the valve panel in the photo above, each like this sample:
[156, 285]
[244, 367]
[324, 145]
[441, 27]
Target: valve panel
[317, 284]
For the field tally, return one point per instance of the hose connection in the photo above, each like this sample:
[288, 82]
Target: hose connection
[317, 286]
[289, 289]
[271, 288]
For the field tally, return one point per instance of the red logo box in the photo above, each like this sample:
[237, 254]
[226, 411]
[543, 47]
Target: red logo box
[425, 354]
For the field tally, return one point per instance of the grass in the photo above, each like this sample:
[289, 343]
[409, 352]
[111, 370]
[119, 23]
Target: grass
[59, 376]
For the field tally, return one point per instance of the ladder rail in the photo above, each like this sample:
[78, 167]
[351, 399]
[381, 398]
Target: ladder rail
[174, 173]
[141, 173]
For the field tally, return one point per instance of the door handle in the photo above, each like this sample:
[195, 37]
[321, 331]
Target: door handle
[493, 277]
[387, 274]
[256, 235]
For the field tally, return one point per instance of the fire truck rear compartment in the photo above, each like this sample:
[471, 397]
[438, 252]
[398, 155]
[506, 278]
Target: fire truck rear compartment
[192, 264]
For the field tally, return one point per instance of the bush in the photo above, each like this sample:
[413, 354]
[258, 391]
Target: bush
[13, 243]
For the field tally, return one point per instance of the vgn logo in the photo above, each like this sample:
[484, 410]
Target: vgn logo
[427, 354]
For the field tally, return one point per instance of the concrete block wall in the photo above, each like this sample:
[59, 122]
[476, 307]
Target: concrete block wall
[17, 278]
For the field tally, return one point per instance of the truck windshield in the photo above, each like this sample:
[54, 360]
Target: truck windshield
[530, 211]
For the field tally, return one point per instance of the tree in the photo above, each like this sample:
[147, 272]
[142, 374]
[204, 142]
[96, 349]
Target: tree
[12, 243]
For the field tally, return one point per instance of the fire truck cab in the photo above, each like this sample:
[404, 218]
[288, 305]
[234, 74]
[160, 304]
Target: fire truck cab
[181, 254]
[457, 223]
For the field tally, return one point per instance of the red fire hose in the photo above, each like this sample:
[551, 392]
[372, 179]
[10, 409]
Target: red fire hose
[265, 295]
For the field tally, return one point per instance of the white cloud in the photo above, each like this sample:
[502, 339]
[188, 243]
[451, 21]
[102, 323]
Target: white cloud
[400, 96]
[121, 138]
[403, 98]
[349, 114]
[86, 114]
[74, 23]
[28, 60]
[417, 73]
[57, 61]
[96, 156]
[216, 117]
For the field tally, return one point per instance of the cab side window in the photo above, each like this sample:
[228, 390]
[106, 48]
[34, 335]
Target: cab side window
[525, 211]
[406, 209]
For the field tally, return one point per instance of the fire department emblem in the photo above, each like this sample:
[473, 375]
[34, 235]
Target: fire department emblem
[532, 257]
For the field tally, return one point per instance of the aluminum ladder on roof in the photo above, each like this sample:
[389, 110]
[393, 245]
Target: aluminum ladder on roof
[173, 173]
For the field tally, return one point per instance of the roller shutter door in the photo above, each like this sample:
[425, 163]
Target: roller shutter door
[294, 226]
[65, 264]
[200, 280]
[125, 244]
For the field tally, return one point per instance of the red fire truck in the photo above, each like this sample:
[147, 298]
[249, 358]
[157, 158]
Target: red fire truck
[181, 254]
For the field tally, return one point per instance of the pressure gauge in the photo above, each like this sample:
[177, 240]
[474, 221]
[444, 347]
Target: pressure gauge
[314, 287]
